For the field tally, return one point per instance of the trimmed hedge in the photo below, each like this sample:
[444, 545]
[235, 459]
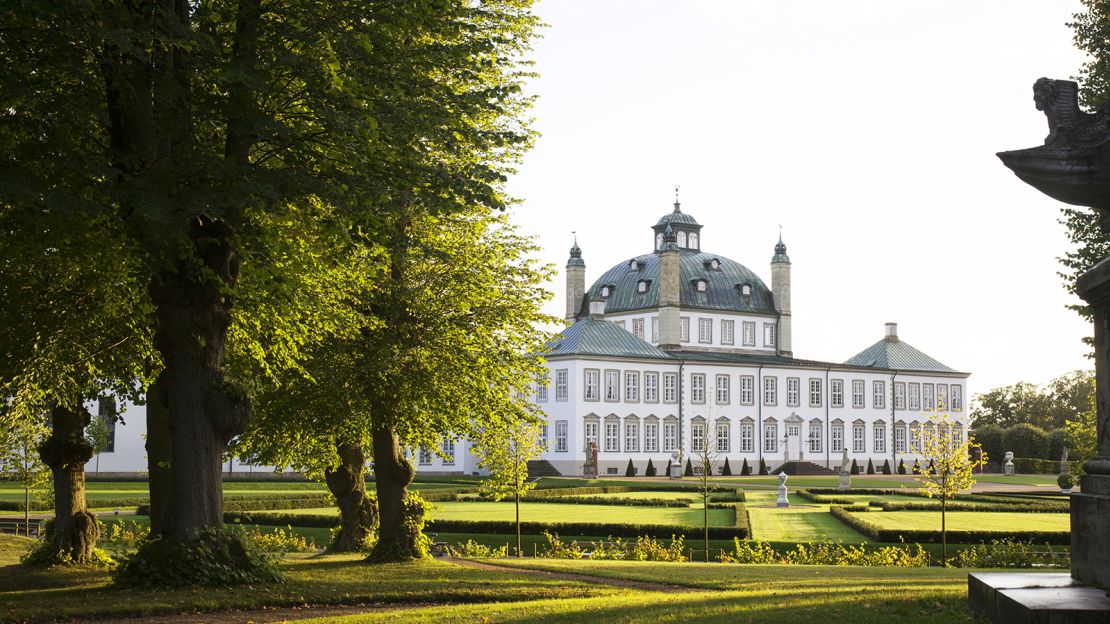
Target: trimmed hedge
[958, 506]
[578, 491]
[922, 536]
[1024, 465]
[600, 500]
[92, 504]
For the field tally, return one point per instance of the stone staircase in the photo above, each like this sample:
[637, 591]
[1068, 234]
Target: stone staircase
[795, 467]
[541, 468]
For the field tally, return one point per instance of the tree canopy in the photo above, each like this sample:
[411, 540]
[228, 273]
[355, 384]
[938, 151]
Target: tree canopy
[1048, 407]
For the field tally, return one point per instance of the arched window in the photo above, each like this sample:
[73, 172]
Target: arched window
[604, 291]
[746, 289]
[642, 286]
[693, 241]
[682, 239]
[701, 286]
[659, 240]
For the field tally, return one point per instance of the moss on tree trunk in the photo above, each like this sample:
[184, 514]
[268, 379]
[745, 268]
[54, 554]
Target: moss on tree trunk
[72, 535]
[358, 514]
[398, 534]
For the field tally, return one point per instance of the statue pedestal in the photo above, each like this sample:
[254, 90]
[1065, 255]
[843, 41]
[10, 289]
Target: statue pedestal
[1090, 526]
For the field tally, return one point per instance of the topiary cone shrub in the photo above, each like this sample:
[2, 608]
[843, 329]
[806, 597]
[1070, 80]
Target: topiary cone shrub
[726, 471]
[745, 469]
[630, 471]
[855, 468]
[886, 466]
[901, 466]
[762, 467]
[668, 472]
[917, 466]
[650, 470]
[689, 472]
[870, 466]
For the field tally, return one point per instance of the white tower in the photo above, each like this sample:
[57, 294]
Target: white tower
[576, 282]
[780, 290]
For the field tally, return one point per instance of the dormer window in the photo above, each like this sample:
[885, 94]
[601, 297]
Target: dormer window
[713, 265]
[701, 285]
[745, 289]
[633, 265]
[642, 286]
[605, 291]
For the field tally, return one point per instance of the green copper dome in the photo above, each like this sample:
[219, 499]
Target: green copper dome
[729, 285]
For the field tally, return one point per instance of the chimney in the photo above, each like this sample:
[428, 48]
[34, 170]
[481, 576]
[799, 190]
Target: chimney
[669, 278]
[892, 331]
[597, 309]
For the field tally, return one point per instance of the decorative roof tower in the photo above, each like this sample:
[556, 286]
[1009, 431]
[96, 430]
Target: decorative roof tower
[576, 281]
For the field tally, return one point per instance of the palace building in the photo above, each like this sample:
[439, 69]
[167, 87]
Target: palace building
[678, 348]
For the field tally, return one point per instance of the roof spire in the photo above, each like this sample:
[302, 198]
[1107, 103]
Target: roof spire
[780, 250]
[575, 253]
[676, 204]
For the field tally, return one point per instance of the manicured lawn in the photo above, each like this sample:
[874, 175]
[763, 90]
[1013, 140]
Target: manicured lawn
[1034, 480]
[968, 520]
[47, 595]
[556, 512]
[731, 593]
[803, 521]
[682, 496]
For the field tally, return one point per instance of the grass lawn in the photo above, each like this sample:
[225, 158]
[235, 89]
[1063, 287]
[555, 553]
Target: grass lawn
[1033, 480]
[802, 522]
[732, 593]
[48, 595]
[968, 520]
[682, 496]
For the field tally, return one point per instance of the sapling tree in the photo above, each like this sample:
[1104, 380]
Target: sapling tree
[20, 461]
[706, 456]
[950, 468]
[504, 449]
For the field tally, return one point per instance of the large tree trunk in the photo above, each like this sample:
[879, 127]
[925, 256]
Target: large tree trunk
[398, 540]
[347, 483]
[74, 532]
[205, 410]
[158, 457]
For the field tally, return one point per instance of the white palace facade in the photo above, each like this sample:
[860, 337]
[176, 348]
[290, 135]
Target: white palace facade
[679, 348]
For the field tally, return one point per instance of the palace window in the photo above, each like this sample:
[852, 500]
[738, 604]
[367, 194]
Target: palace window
[684, 329]
[638, 328]
[928, 397]
[618, 323]
[747, 432]
[770, 438]
[878, 394]
[612, 385]
[670, 436]
[541, 389]
[631, 386]
[838, 438]
[590, 384]
[749, 333]
[899, 395]
[915, 439]
[880, 437]
[768, 334]
[631, 437]
[425, 456]
[858, 442]
[681, 239]
[561, 379]
[697, 436]
[543, 436]
[697, 387]
[770, 391]
[942, 397]
[560, 436]
[900, 439]
[723, 436]
[670, 387]
[793, 391]
[448, 452]
[957, 398]
[651, 437]
[836, 387]
[747, 390]
[651, 387]
[705, 329]
[591, 434]
[957, 433]
[612, 437]
[723, 389]
[857, 393]
[815, 436]
[914, 396]
[814, 392]
[728, 329]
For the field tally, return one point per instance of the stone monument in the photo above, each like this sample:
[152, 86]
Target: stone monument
[782, 501]
[1065, 467]
[589, 469]
[1008, 467]
[1073, 166]
[845, 474]
[676, 465]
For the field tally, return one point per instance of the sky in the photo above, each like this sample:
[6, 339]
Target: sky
[866, 129]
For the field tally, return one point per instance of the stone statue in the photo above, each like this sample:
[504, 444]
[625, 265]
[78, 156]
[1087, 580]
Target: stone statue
[589, 469]
[782, 501]
[1008, 467]
[1065, 467]
[845, 474]
[1073, 166]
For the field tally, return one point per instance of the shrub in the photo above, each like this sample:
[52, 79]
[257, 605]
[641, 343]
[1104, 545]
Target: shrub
[650, 470]
[1065, 481]
[1007, 553]
[870, 467]
[1025, 440]
[901, 466]
[668, 472]
[689, 472]
[726, 471]
[917, 466]
[646, 548]
[1057, 440]
[886, 466]
[745, 469]
[126, 534]
[825, 553]
[581, 528]
[855, 468]
[630, 471]
[557, 549]
[473, 549]
[280, 540]
[762, 466]
[216, 557]
[990, 438]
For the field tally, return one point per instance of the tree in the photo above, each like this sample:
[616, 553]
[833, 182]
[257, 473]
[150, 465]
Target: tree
[504, 450]
[650, 470]
[950, 469]
[990, 438]
[1047, 407]
[1082, 434]
[20, 461]
[707, 458]
[1026, 440]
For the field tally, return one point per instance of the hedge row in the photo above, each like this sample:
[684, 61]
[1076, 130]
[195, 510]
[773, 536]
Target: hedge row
[578, 491]
[93, 504]
[601, 500]
[658, 531]
[1024, 465]
[259, 504]
[828, 496]
[958, 506]
[923, 536]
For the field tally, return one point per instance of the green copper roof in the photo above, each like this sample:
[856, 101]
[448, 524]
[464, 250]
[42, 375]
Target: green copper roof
[892, 354]
[676, 217]
[722, 291]
[591, 336]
